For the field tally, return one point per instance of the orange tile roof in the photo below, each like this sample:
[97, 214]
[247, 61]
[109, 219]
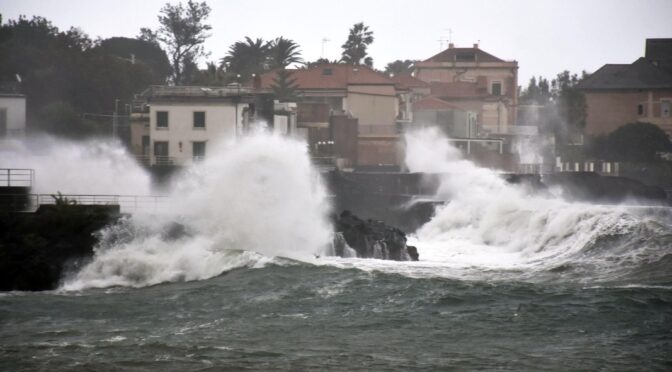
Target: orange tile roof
[330, 76]
[433, 103]
[463, 55]
[406, 81]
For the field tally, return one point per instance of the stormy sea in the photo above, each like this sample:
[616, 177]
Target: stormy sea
[507, 279]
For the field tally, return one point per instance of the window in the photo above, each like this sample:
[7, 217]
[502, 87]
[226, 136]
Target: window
[199, 119]
[162, 119]
[640, 109]
[497, 88]
[327, 72]
[161, 152]
[665, 109]
[198, 150]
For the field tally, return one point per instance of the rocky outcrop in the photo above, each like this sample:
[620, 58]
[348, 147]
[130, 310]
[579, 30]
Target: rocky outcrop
[36, 249]
[370, 239]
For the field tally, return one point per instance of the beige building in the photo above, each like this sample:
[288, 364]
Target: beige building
[355, 91]
[618, 94]
[475, 81]
[178, 123]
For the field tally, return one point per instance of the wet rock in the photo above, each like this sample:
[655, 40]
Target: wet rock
[370, 239]
[36, 249]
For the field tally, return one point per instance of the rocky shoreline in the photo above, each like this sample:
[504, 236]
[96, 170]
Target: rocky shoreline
[370, 239]
[38, 249]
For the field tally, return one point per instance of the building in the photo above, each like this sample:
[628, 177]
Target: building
[12, 115]
[175, 125]
[618, 94]
[409, 90]
[475, 81]
[356, 92]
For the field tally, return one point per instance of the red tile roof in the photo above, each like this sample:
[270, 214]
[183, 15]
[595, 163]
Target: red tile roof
[458, 89]
[463, 55]
[406, 81]
[330, 76]
[433, 103]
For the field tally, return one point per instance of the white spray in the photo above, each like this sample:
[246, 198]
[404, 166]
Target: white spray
[90, 167]
[251, 200]
[490, 229]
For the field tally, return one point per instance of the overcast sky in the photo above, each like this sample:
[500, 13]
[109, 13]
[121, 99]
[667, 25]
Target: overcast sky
[545, 37]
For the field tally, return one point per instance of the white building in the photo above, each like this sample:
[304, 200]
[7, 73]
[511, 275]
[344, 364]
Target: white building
[12, 115]
[185, 121]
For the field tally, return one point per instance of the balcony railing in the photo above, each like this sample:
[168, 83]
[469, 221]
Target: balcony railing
[126, 203]
[16, 177]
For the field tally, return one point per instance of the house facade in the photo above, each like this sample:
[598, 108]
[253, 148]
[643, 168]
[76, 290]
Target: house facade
[618, 94]
[476, 81]
[178, 124]
[356, 92]
[12, 115]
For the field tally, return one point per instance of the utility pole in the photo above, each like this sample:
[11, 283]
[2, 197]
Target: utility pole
[115, 118]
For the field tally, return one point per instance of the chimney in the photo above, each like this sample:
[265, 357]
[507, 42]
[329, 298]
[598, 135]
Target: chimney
[451, 46]
[475, 45]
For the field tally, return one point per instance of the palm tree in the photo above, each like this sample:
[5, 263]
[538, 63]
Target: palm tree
[283, 52]
[400, 67]
[247, 58]
[354, 49]
[211, 76]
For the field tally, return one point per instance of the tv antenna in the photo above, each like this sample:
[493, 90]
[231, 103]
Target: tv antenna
[324, 41]
[443, 39]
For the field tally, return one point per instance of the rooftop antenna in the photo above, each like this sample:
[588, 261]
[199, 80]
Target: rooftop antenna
[324, 41]
[443, 39]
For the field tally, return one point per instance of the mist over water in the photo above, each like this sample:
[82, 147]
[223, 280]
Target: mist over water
[252, 199]
[84, 167]
[523, 282]
[488, 228]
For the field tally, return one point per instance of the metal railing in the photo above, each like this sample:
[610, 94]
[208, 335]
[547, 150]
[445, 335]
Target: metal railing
[16, 177]
[126, 203]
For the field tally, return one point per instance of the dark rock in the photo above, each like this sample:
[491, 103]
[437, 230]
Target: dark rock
[37, 248]
[370, 239]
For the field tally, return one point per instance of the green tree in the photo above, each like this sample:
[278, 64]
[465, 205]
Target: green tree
[634, 142]
[246, 58]
[321, 61]
[284, 87]
[64, 73]
[212, 75]
[354, 49]
[182, 33]
[283, 52]
[570, 102]
[140, 52]
[400, 67]
[537, 92]
[61, 119]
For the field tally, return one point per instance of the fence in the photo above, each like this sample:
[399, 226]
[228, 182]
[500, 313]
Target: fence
[127, 203]
[16, 177]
